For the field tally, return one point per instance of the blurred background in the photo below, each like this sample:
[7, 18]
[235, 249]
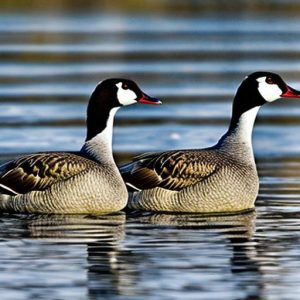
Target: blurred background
[193, 55]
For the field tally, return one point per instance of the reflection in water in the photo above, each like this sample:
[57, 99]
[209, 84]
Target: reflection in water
[246, 269]
[101, 236]
[123, 270]
[228, 225]
[117, 267]
[108, 266]
[64, 228]
[188, 233]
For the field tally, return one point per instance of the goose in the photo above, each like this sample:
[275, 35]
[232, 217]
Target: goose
[84, 182]
[222, 178]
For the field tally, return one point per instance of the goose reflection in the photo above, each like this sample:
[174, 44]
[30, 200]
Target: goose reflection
[234, 226]
[115, 269]
[128, 256]
[237, 229]
[101, 235]
[109, 229]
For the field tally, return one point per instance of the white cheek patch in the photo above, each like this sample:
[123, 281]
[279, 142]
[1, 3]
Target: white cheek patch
[125, 97]
[270, 92]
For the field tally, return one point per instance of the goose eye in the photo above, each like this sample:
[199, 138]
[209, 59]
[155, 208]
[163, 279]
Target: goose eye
[125, 86]
[269, 80]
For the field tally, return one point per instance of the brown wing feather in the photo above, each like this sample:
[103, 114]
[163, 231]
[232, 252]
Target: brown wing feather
[171, 170]
[39, 171]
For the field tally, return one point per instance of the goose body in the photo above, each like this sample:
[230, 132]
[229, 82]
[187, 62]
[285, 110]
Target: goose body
[84, 182]
[222, 178]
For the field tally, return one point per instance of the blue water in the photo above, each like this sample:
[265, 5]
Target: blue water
[192, 55]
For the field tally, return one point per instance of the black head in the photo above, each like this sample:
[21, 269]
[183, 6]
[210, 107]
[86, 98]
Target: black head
[111, 94]
[259, 88]
[120, 92]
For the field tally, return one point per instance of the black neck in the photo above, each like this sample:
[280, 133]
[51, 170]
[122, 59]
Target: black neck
[246, 98]
[235, 118]
[97, 116]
